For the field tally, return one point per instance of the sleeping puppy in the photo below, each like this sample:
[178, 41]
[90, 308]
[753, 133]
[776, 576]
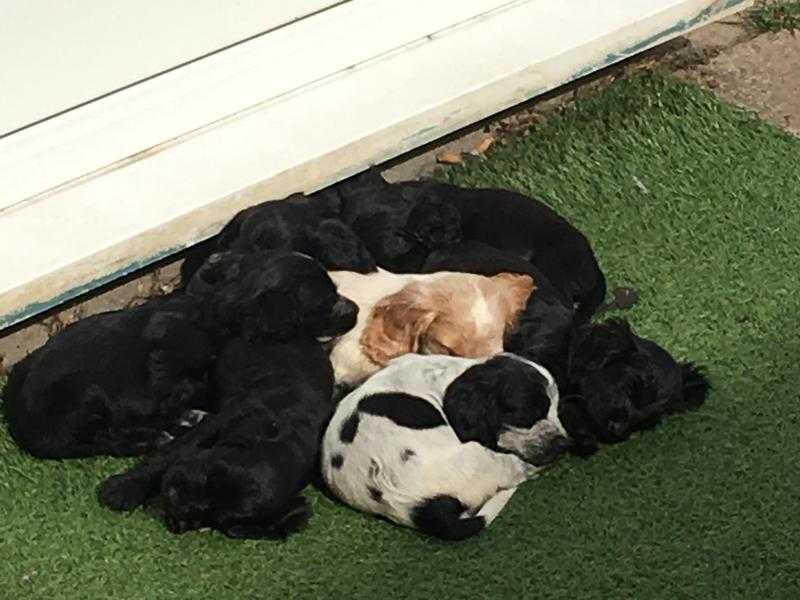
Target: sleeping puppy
[618, 383]
[294, 223]
[241, 470]
[460, 314]
[399, 230]
[110, 383]
[542, 329]
[418, 442]
[402, 223]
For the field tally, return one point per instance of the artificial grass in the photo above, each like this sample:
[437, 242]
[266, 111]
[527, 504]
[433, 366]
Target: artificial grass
[771, 15]
[696, 205]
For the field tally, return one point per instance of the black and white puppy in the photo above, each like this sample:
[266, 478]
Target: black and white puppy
[438, 442]
[295, 223]
[241, 470]
[618, 382]
[110, 383]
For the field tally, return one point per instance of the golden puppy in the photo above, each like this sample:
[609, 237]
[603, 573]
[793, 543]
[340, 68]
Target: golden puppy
[460, 314]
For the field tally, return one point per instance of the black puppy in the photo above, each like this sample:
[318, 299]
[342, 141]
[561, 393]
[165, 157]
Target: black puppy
[240, 471]
[109, 384]
[295, 223]
[618, 383]
[530, 229]
[402, 223]
[398, 228]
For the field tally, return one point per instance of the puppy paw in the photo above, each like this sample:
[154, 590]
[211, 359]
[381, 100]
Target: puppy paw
[192, 418]
[121, 492]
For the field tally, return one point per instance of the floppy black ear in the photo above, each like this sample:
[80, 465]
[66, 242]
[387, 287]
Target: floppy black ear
[338, 248]
[218, 268]
[471, 406]
[270, 314]
[592, 346]
[434, 223]
[181, 336]
[694, 387]
[232, 230]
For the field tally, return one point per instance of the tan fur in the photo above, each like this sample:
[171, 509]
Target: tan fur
[441, 313]
[438, 317]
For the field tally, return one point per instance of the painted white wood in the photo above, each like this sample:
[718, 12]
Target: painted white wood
[55, 54]
[128, 213]
[142, 117]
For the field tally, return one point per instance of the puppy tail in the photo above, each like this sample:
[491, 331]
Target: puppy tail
[695, 387]
[440, 517]
[591, 301]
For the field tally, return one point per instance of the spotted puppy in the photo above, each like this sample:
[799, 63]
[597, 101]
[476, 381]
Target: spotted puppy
[441, 443]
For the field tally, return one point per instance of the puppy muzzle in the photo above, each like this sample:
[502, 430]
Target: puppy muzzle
[540, 445]
[343, 318]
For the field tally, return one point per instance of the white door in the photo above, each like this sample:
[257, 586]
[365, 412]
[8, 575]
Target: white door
[58, 54]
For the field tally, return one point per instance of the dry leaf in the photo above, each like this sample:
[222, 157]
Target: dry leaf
[449, 158]
[485, 144]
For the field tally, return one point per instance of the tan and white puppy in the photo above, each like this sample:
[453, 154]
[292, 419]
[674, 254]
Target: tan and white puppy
[457, 314]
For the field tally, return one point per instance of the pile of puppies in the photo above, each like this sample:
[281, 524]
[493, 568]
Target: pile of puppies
[462, 314]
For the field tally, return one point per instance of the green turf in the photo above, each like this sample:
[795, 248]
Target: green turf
[698, 206]
[769, 15]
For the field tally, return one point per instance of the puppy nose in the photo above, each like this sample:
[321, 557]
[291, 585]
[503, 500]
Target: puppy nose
[345, 309]
[559, 444]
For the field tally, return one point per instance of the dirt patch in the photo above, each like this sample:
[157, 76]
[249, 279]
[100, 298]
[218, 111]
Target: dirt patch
[762, 74]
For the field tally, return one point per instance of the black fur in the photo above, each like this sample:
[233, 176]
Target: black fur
[403, 223]
[399, 229]
[109, 384]
[542, 330]
[618, 383]
[404, 409]
[274, 294]
[440, 517]
[241, 470]
[337, 460]
[295, 223]
[489, 397]
[349, 428]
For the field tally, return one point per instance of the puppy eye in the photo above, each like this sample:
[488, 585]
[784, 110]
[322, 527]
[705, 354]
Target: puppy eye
[434, 347]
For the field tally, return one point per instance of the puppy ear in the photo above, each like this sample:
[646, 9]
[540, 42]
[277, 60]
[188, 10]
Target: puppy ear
[338, 248]
[396, 324]
[272, 314]
[517, 289]
[471, 407]
[694, 388]
[217, 268]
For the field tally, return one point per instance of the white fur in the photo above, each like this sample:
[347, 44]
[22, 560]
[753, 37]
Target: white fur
[350, 365]
[481, 479]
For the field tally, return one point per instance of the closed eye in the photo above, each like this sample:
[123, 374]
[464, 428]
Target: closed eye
[434, 347]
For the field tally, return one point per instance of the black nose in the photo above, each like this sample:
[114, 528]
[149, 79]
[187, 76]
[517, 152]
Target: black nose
[345, 310]
[559, 444]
